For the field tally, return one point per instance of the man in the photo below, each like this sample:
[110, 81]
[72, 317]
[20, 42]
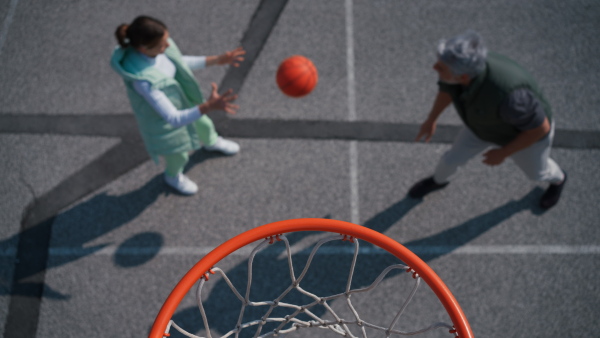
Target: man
[502, 108]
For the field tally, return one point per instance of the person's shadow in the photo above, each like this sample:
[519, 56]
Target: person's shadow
[82, 224]
[223, 308]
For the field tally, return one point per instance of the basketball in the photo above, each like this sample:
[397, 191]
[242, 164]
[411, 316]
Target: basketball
[297, 76]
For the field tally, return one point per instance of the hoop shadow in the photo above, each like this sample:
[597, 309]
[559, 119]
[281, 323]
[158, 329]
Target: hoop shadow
[138, 249]
[222, 308]
[79, 225]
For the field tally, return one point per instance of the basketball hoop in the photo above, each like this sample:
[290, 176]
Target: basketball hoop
[342, 231]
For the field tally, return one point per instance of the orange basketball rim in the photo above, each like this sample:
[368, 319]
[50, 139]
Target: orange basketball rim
[427, 274]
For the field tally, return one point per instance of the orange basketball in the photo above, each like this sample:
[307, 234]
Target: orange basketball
[297, 76]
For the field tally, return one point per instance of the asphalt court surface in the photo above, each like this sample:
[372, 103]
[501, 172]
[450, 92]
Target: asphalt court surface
[92, 241]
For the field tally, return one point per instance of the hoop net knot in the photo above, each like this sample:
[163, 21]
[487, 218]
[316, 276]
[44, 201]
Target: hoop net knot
[272, 239]
[454, 331]
[166, 334]
[206, 274]
[347, 238]
[414, 273]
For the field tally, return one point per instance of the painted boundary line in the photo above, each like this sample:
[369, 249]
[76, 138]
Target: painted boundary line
[419, 250]
[261, 25]
[423, 250]
[354, 193]
[253, 128]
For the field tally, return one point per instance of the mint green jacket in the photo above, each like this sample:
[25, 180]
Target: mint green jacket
[183, 91]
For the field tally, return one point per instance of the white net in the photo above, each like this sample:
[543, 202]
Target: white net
[315, 311]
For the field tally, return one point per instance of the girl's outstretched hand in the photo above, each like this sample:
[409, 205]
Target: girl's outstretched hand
[220, 102]
[232, 57]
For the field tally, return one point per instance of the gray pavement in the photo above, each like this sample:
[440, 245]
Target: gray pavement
[92, 241]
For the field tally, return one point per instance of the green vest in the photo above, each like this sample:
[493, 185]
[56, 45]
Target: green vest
[183, 91]
[478, 104]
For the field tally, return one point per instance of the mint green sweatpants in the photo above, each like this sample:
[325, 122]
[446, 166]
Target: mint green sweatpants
[207, 135]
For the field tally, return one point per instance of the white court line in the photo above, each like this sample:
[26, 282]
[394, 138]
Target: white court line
[419, 250]
[7, 21]
[350, 61]
[354, 196]
[422, 250]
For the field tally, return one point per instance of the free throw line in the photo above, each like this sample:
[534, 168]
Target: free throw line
[368, 250]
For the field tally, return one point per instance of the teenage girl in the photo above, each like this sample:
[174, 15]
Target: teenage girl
[166, 99]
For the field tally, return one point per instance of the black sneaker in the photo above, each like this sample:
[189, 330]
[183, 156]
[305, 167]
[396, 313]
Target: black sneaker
[552, 194]
[424, 187]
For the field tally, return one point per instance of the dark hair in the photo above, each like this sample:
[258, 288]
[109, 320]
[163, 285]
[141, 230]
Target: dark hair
[143, 31]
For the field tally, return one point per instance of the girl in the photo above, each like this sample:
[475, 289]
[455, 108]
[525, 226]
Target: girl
[166, 98]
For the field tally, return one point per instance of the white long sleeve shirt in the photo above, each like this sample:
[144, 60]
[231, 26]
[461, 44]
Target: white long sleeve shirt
[159, 101]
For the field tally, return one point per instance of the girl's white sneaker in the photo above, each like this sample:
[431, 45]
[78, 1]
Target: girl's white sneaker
[224, 146]
[182, 184]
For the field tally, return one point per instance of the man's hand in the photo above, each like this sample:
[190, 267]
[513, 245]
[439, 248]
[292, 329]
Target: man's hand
[494, 157]
[427, 130]
[220, 102]
[523, 140]
[442, 100]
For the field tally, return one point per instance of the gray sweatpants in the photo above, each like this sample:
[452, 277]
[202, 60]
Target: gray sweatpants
[534, 161]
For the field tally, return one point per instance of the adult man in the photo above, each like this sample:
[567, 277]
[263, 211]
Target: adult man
[501, 106]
